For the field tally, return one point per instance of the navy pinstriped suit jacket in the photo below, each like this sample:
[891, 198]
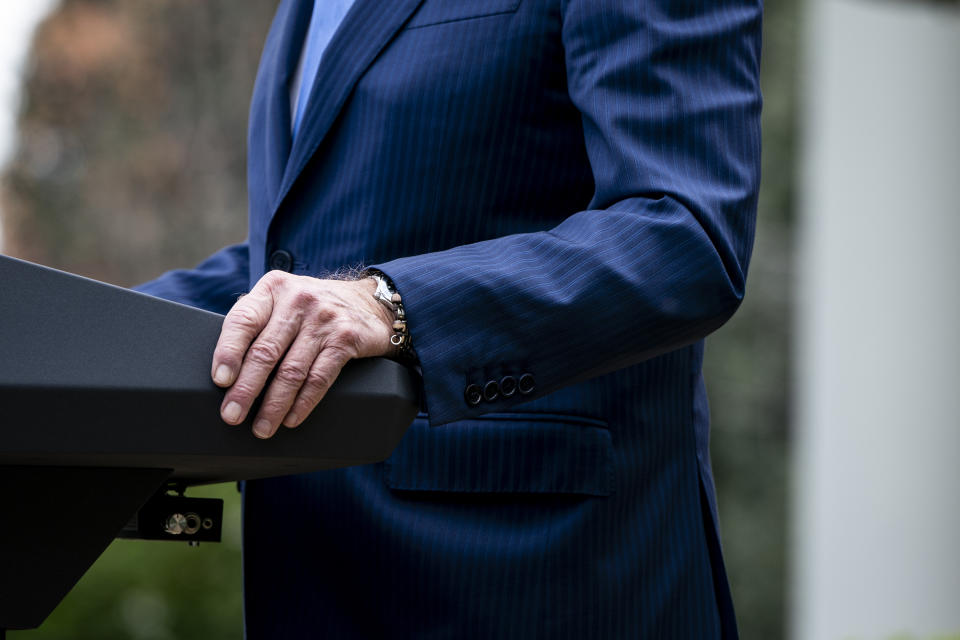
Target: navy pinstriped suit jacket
[565, 188]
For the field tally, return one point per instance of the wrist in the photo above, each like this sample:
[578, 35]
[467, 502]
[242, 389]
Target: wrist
[391, 303]
[368, 287]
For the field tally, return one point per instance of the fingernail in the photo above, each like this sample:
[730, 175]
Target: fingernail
[261, 428]
[222, 375]
[291, 420]
[231, 412]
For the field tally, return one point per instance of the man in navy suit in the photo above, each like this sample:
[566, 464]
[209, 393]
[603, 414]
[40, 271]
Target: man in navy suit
[557, 198]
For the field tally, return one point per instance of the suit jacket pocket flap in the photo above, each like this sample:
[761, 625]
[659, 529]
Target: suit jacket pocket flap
[505, 453]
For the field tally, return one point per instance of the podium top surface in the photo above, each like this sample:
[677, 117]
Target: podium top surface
[93, 375]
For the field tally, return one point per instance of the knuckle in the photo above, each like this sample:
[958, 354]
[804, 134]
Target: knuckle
[242, 393]
[228, 354]
[325, 315]
[349, 335]
[273, 280]
[264, 352]
[319, 379]
[273, 409]
[305, 402]
[291, 374]
[344, 342]
[245, 317]
[304, 299]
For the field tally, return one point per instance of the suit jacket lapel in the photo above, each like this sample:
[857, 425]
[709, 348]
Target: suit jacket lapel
[270, 108]
[364, 32]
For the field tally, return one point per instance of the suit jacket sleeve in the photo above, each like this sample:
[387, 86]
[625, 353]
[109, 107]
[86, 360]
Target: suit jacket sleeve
[670, 103]
[213, 285]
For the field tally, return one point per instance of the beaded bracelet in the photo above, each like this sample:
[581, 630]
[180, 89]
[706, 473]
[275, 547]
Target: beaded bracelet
[387, 294]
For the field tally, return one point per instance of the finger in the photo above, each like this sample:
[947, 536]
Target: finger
[258, 363]
[322, 375]
[243, 323]
[290, 376]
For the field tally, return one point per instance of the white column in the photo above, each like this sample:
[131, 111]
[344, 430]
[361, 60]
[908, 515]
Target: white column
[876, 523]
[17, 23]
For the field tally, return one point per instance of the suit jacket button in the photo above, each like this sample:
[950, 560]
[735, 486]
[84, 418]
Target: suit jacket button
[508, 386]
[491, 391]
[281, 260]
[526, 384]
[473, 395]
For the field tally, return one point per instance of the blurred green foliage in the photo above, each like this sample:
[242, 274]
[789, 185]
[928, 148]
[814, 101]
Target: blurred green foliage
[131, 161]
[747, 363]
[140, 590]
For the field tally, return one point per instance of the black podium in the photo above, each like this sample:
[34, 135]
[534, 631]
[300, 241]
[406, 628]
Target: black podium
[108, 413]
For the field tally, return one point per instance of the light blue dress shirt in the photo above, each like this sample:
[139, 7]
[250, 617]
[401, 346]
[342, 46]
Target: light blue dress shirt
[327, 16]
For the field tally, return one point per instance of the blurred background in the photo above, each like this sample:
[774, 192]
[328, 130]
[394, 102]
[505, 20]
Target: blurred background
[834, 389]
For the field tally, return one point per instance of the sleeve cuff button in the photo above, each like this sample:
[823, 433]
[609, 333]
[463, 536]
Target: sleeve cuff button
[526, 384]
[473, 395]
